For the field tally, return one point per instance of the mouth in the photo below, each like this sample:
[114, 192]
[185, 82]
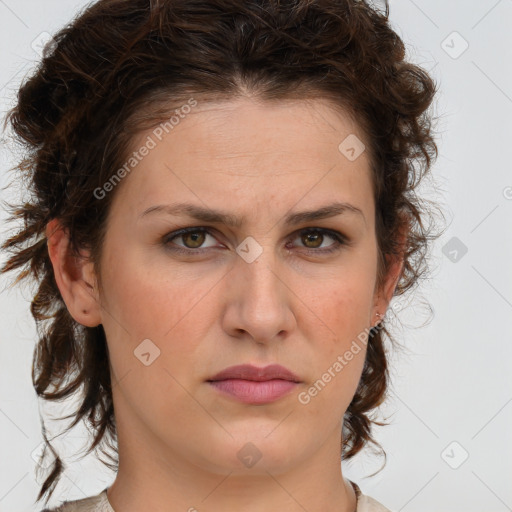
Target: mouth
[252, 385]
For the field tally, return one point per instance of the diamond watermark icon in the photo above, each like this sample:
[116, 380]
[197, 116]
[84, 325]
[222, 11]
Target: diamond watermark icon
[454, 45]
[454, 455]
[249, 455]
[352, 147]
[147, 352]
[454, 249]
[249, 249]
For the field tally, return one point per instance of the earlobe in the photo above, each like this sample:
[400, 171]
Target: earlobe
[74, 277]
[388, 289]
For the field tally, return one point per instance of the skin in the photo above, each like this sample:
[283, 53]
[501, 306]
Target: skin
[179, 437]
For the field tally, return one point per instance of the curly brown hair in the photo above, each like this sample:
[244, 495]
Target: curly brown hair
[115, 69]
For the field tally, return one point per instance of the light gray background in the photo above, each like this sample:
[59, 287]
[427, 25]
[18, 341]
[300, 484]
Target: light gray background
[455, 385]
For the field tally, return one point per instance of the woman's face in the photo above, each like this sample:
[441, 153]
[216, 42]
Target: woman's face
[179, 309]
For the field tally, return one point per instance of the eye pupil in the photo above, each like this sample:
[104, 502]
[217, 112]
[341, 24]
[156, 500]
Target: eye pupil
[314, 237]
[194, 235]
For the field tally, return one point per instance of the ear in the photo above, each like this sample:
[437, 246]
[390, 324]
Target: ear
[74, 277]
[395, 262]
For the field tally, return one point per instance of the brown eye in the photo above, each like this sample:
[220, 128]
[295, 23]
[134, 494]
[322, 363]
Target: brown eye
[312, 240]
[190, 239]
[194, 239]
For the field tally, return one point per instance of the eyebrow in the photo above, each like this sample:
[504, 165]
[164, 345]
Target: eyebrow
[214, 216]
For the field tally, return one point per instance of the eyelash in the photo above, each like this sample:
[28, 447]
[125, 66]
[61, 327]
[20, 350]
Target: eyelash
[340, 240]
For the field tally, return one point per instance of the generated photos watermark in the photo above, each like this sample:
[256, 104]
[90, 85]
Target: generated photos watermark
[151, 143]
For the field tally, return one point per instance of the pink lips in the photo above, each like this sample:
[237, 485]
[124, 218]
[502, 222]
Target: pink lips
[252, 385]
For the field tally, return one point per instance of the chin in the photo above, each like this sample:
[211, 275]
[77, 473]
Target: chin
[255, 452]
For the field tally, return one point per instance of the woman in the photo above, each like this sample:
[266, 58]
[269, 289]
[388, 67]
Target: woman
[223, 208]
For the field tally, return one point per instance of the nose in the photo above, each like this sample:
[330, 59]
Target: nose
[258, 301]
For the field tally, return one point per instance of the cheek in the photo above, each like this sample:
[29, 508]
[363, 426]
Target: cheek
[326, 397]
[173, 312]
[343, 354]
[338, 325]
[339, 353]
[149, 300]
[340, 306]
[175, 316]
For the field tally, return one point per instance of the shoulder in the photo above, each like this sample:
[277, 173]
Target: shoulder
[367, 503]
[98, 503]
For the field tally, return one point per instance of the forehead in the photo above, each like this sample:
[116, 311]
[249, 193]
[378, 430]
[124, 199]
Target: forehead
[255, 124]
[244, 150]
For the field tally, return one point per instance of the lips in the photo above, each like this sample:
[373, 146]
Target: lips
[255, 386]
[248, 372]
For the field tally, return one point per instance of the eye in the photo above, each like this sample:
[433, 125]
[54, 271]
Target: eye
[312, 238]
[193, 238]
